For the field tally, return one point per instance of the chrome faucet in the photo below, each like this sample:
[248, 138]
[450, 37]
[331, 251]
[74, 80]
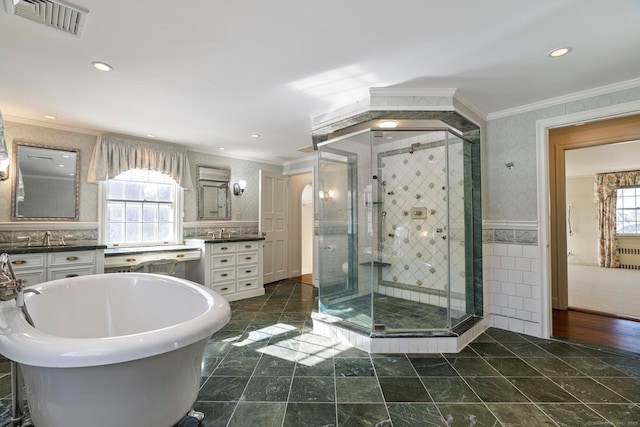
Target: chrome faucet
[46, 239]
[12, 287]
[61, 237]
[27, 238]
[221, 233]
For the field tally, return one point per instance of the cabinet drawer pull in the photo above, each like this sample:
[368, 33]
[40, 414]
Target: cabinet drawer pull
[72, 275]
[247, 271]
[224, 289]
[180, 256]
[72, 258]
[19, 262]
[224, 248]
[248, 284]
[224, 275]
[224, 260]
[131, 260]
[247, 246]
[248, 258]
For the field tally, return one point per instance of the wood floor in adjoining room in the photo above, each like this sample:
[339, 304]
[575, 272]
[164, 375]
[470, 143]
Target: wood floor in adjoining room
[597, 329]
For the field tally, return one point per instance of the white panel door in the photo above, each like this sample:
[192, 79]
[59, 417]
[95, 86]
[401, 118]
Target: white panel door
[273, 225]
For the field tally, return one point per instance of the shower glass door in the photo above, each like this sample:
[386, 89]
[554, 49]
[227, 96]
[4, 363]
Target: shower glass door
[420, 230]
[344, 263]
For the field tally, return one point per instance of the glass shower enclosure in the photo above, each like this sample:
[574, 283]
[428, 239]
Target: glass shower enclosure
[399, 232]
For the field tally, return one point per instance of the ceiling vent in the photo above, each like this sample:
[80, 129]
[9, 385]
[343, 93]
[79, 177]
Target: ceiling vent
[56, 14]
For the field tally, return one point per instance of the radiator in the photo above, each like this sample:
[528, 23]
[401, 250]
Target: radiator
[629, 258]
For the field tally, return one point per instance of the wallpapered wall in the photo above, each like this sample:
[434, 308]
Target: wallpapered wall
[55, 138]
[244, 208]
[511, 194]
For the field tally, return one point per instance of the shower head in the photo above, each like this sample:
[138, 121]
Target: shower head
[413, 147]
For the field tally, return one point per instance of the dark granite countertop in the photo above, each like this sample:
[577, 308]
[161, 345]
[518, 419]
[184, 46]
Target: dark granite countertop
[148, 249]
[21, 248]
[227, 239]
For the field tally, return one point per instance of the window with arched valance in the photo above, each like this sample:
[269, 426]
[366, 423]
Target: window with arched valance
[113, 155]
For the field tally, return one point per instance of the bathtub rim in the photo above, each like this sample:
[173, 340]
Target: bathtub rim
[24, 344]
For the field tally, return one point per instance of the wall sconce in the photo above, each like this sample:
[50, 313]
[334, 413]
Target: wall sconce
[4, 169]
[238, 187]
[327, 196]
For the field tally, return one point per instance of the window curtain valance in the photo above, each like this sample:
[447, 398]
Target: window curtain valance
[605, 189]
[113, 155]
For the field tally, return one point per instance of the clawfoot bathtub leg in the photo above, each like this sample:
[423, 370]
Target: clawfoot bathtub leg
[193, 418]
[195, 414]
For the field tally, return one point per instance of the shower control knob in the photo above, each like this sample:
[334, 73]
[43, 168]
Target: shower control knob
[444, 237]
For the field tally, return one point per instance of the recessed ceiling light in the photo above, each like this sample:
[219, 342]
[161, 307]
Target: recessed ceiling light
[101, 66]
[150, 135]
[388, 124]
[561, 51]
[49, 116]
[255, 135]
[221, 148]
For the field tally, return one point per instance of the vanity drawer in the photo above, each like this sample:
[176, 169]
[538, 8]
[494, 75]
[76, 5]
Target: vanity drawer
[223, 260]
[225, 288]
[30, 278]
[27, 261]
[67, 258]
[63, 273]
[247, 271]
[223, 275]
[221, 248]
[247, 246]
[247, 258]
[247, 284]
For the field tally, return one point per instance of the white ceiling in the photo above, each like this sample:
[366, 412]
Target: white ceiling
[622, 156]
[210, 73]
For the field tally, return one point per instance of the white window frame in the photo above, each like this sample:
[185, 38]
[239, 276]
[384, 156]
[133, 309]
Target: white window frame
[637, 208]
[177, 223]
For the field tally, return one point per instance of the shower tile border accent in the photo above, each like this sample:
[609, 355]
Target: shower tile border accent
[510, 236]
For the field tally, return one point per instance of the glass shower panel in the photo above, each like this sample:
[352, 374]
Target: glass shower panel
[413, 268]
[344, 188]
[457, 230]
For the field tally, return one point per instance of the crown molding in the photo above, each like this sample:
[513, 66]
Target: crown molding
[51, 125]
[577, 96]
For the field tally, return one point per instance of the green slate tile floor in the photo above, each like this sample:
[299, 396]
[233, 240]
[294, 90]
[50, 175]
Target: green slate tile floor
[268, 368]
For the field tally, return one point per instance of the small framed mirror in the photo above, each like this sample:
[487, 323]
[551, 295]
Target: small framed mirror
[214, 197]
[45, 183]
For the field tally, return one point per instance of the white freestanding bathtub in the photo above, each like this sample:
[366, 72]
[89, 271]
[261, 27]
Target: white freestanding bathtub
[122, 349]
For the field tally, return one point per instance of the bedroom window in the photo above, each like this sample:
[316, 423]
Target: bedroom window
[628, 210]
[141, 209]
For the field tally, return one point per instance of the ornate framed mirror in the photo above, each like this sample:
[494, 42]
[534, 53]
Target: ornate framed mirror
[214, 197]
[45, 183]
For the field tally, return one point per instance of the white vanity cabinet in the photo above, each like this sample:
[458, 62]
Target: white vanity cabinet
[34, 268]
[232, 268]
